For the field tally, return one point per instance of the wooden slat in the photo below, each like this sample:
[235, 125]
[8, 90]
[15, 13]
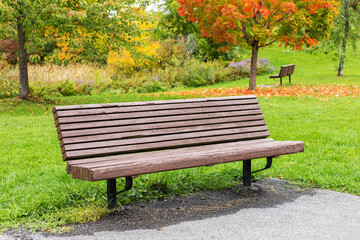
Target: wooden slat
[133, 115]
[167, 137]
[148, 103]
[71, 135]
[160, 119]
[187, 159]
[169, 106]
[87, 153]
[161, 131]
[163, 153]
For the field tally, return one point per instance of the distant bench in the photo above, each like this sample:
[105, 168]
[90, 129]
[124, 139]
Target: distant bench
[285, 70]
[109, 141]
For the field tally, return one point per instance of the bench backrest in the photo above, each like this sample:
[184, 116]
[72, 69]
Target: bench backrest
[286, 70]
[94, 130]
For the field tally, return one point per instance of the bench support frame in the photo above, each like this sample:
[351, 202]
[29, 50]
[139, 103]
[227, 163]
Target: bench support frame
[112, 193]
[281, 80]
[111, 183]
[247, 170]
[111, 190]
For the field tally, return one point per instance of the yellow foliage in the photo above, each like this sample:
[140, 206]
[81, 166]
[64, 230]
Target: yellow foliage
[122, 61]
[71, 47]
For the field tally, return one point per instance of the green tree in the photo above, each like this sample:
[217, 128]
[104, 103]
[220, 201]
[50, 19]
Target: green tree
[171, 25]
[113, 20]
[345, 31]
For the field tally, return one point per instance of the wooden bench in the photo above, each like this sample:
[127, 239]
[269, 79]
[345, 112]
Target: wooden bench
[109, 141]
[285, 70]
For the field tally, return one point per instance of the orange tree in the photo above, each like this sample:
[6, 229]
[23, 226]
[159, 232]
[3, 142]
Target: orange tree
[260, 23]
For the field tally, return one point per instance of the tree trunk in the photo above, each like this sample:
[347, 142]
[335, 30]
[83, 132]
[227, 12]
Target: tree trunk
[23, 60]
[253, 66]
[343, 48]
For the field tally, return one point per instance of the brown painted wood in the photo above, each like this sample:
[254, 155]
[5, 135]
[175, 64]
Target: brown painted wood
[285, 70]
[139, 139]
[149, 103]
[161, 119]
[71, 135]
[87, 153]
[102, 141]
[187, 159]
[132, 115]
[161, 130]
[163, 153]
[169, 106]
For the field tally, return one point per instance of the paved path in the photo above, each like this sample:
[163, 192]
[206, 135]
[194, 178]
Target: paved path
[320, 215]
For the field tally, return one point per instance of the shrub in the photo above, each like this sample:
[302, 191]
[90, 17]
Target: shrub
[191, 73]
[9, 49]
[196, 73]
[9, 86]
[139, 84]
[128, 63]
[67, 88]
[44, 89]
[242, 68]
[170, 53]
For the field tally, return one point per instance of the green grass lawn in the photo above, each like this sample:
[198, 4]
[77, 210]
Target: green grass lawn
[311, 69]
[37, 192]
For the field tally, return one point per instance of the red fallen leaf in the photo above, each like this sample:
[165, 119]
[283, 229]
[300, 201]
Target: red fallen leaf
[159, 229]
[6, 124]
[318, 91]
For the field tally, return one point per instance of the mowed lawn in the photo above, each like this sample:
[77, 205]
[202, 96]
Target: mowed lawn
[311, 69]
[37, 193]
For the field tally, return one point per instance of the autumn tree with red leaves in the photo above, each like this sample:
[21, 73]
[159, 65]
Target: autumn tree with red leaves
[260, 23]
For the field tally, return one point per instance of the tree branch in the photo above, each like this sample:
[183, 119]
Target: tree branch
[243, 29]
[268, 44]
[33, 21]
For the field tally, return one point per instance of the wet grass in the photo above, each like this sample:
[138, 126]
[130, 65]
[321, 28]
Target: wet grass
[37, 193]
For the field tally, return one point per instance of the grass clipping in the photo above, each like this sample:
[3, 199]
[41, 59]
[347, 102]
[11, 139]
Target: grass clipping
[59, 220]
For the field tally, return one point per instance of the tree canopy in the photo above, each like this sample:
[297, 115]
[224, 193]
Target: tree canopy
[260, 23]
[345, 32]
[114, 22]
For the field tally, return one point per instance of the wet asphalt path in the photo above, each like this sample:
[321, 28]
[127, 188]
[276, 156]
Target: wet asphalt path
[272, 209]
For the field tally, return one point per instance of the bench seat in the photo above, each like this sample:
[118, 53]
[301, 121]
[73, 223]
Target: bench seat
[109, 141]
[142, 163]
[285, 70]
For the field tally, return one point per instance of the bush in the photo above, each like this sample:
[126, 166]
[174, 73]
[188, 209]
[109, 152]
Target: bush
[242, 68]
[9, 87]
[139, 84]
[125, 62]
[170, 53]
[191, 73]
[195, 73]
[9, 49]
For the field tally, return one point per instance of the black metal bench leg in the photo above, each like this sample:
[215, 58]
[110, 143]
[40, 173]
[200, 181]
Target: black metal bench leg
[290, 79]
[280, 81]
[111, 190]
[111, 193]
[247, 173]
[247, 170]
